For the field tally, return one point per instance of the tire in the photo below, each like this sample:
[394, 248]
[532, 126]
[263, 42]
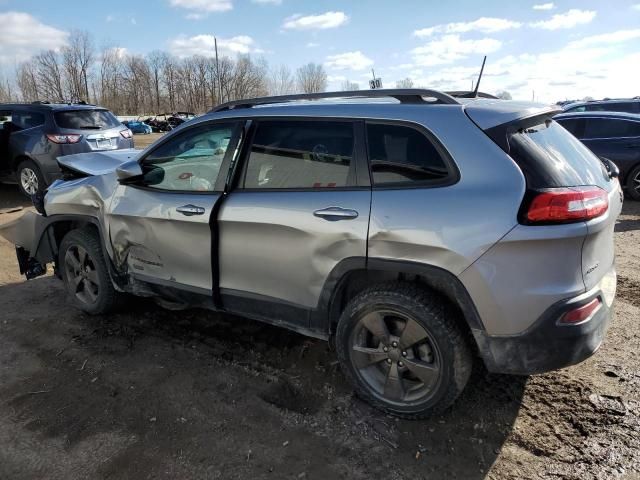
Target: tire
[30, 179]
[427, 361]
[633, 183]
[85, 274]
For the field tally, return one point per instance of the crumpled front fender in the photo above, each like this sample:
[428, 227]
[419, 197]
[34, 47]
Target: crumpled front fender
[25, 231]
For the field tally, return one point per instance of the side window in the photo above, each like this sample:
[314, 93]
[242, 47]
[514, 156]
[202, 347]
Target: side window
[401, 155]
[24, 119]
[5, 119]
[300, 154]
[190, 161]
[581, 108]
[609, 128]
[575, 126]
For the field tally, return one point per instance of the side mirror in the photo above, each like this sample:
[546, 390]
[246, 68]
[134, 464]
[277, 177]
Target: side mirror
[128, 171]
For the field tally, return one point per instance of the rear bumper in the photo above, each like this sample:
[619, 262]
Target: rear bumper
[548, 345]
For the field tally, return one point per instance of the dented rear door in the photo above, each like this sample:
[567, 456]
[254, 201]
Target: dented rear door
[297, 211]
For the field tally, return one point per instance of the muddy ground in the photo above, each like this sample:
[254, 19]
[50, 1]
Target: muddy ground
[158, 394]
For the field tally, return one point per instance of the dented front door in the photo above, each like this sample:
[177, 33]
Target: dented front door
[160, 226]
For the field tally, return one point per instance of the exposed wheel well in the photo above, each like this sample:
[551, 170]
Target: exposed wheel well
[58, 230]
[437, 281]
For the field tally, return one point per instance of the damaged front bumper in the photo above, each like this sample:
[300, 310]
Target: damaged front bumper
[30, 235]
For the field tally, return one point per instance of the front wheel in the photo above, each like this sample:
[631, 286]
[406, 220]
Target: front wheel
[633, 183]
[85, 274]
[402, 350]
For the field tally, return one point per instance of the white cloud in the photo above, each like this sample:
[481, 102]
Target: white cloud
[636, 7]
[568, 19]
[268, 2]
[450, 48]
[619, 36]
[312, 45]
[336, 78]
[23, 36]
[201, 8]
[483, 24]
[599, 66]
[544, 6]
[204, 45]
[316, 22]
[348, 61]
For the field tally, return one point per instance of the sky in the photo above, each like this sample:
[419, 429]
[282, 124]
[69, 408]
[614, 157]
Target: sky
[549, 51]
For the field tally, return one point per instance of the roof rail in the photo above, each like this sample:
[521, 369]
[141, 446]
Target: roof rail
[404, 95]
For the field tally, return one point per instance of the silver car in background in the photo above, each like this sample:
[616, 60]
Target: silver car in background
[416, 231]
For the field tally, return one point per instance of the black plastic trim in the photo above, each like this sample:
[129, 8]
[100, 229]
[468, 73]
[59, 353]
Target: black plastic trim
[546, 345]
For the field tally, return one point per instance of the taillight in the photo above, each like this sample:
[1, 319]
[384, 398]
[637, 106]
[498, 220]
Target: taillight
[564, 205]
[580, 314]
[126, 133]
[63, 138]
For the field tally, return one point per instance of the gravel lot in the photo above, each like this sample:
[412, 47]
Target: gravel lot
[157, 394]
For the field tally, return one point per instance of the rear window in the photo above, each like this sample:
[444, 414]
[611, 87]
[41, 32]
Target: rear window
[631, 107]
[549, 156]
[300, 154]
[86, 119]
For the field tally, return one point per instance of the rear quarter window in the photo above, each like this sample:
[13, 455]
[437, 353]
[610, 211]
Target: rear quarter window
[24, 120]
[401, 155]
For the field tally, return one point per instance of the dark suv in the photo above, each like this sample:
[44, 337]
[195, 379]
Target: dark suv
[611, 135]
[32, 136]
[629, 105]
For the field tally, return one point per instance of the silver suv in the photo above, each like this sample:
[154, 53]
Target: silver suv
[417, 231]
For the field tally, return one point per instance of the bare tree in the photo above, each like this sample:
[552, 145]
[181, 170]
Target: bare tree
[281, 81]
[348, 85]
[49, 74]
[156, 60]
[133, 84]
[504, 95]
[26, 78]
[311, 78]
[404, 83]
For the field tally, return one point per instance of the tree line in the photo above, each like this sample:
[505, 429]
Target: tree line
[154, 83]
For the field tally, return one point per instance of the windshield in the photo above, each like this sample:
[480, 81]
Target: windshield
[86, 119]
[550, 156]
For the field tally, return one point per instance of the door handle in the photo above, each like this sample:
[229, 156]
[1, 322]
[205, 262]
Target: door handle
[336, 213]
[190, 210]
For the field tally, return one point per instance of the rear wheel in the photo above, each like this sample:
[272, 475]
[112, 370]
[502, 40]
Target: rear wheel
[402, 350]
[85, 274]
[30, 179]
[633, 183]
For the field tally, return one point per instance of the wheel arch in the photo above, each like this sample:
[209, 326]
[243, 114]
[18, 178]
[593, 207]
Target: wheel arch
[21, 158]
[51, 230]
[353, 275]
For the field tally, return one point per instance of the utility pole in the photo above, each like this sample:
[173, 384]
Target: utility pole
[215, 43]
